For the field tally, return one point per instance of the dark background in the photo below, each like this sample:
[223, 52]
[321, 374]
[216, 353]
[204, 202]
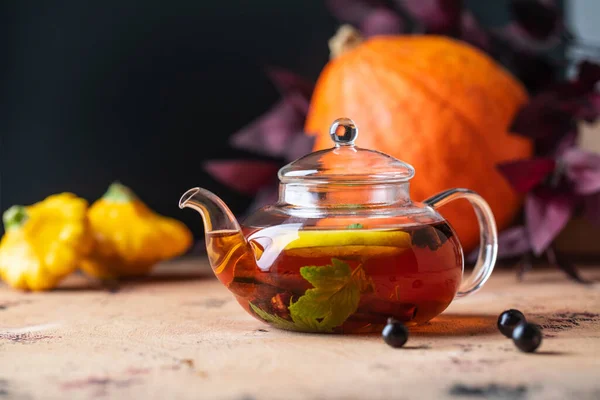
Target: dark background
[143, 92]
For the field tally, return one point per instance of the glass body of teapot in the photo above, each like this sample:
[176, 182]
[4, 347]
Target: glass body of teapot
[344, 248]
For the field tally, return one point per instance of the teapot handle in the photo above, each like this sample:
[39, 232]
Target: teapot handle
[488, 247]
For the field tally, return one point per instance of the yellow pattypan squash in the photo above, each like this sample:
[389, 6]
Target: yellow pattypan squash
[130, 238]
[44, 242]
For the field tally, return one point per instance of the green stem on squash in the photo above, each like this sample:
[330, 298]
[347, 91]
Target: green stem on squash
[14, 217]
[345, 39]
[119, 193]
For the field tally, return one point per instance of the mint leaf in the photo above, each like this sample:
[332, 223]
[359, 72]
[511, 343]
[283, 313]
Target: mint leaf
[334, 298]
[355, 226]
[273, 319]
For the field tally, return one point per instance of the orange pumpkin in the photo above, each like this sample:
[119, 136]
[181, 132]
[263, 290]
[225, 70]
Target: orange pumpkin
[436, 103]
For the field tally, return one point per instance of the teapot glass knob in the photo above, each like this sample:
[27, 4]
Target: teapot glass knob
[343, 132]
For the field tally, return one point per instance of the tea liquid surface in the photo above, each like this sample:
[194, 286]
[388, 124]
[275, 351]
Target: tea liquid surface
[340, 281]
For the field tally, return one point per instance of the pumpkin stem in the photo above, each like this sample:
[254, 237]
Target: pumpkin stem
[119, 193]
[346, 38]
[14, 217]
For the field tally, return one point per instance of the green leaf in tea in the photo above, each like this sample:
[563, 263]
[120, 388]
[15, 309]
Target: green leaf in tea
[355, 226]
[274, 319]
[334, 298]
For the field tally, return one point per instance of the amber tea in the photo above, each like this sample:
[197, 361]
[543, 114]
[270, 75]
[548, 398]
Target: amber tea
[342, 281]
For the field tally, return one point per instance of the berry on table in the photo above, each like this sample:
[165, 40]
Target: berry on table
[508, 320]
[527, 337]
[395, 333]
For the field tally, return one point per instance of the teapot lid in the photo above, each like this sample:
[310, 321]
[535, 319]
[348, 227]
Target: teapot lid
[345, 162]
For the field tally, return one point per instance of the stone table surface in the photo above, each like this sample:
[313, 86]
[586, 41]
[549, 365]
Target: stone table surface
[179, 334]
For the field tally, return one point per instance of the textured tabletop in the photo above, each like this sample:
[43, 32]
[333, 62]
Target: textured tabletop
[179, 334]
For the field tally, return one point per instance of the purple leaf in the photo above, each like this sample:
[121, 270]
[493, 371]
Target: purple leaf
[271, 133]
[524, 265]
[513, 242]
[566, 143]
[538, 18]
[529, 121]
[588, 74]
[582, 170]
[288, 83]
[437, 16]
[244, 176]
[535, 71]
[565, 265]
[591, 208]
[298, 146]
[381, 21]
[472, 32]
[591, 111]
[268, 194]
[516, 36]
[524, 175]
[352, 11]
[542, 120]
[586, 108]
[546, 214]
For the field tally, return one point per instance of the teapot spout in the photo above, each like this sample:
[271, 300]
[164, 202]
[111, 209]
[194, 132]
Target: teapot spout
[227, 248]
[215, 213]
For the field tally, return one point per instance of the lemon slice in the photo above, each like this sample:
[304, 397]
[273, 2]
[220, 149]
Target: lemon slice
[320, 238]
[348, 243]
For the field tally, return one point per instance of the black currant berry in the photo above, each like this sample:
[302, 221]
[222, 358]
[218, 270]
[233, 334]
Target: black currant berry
[395, 334]
[527, 337]
[508, 320]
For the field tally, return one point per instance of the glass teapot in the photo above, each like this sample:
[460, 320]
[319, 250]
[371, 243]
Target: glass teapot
[344, 248]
